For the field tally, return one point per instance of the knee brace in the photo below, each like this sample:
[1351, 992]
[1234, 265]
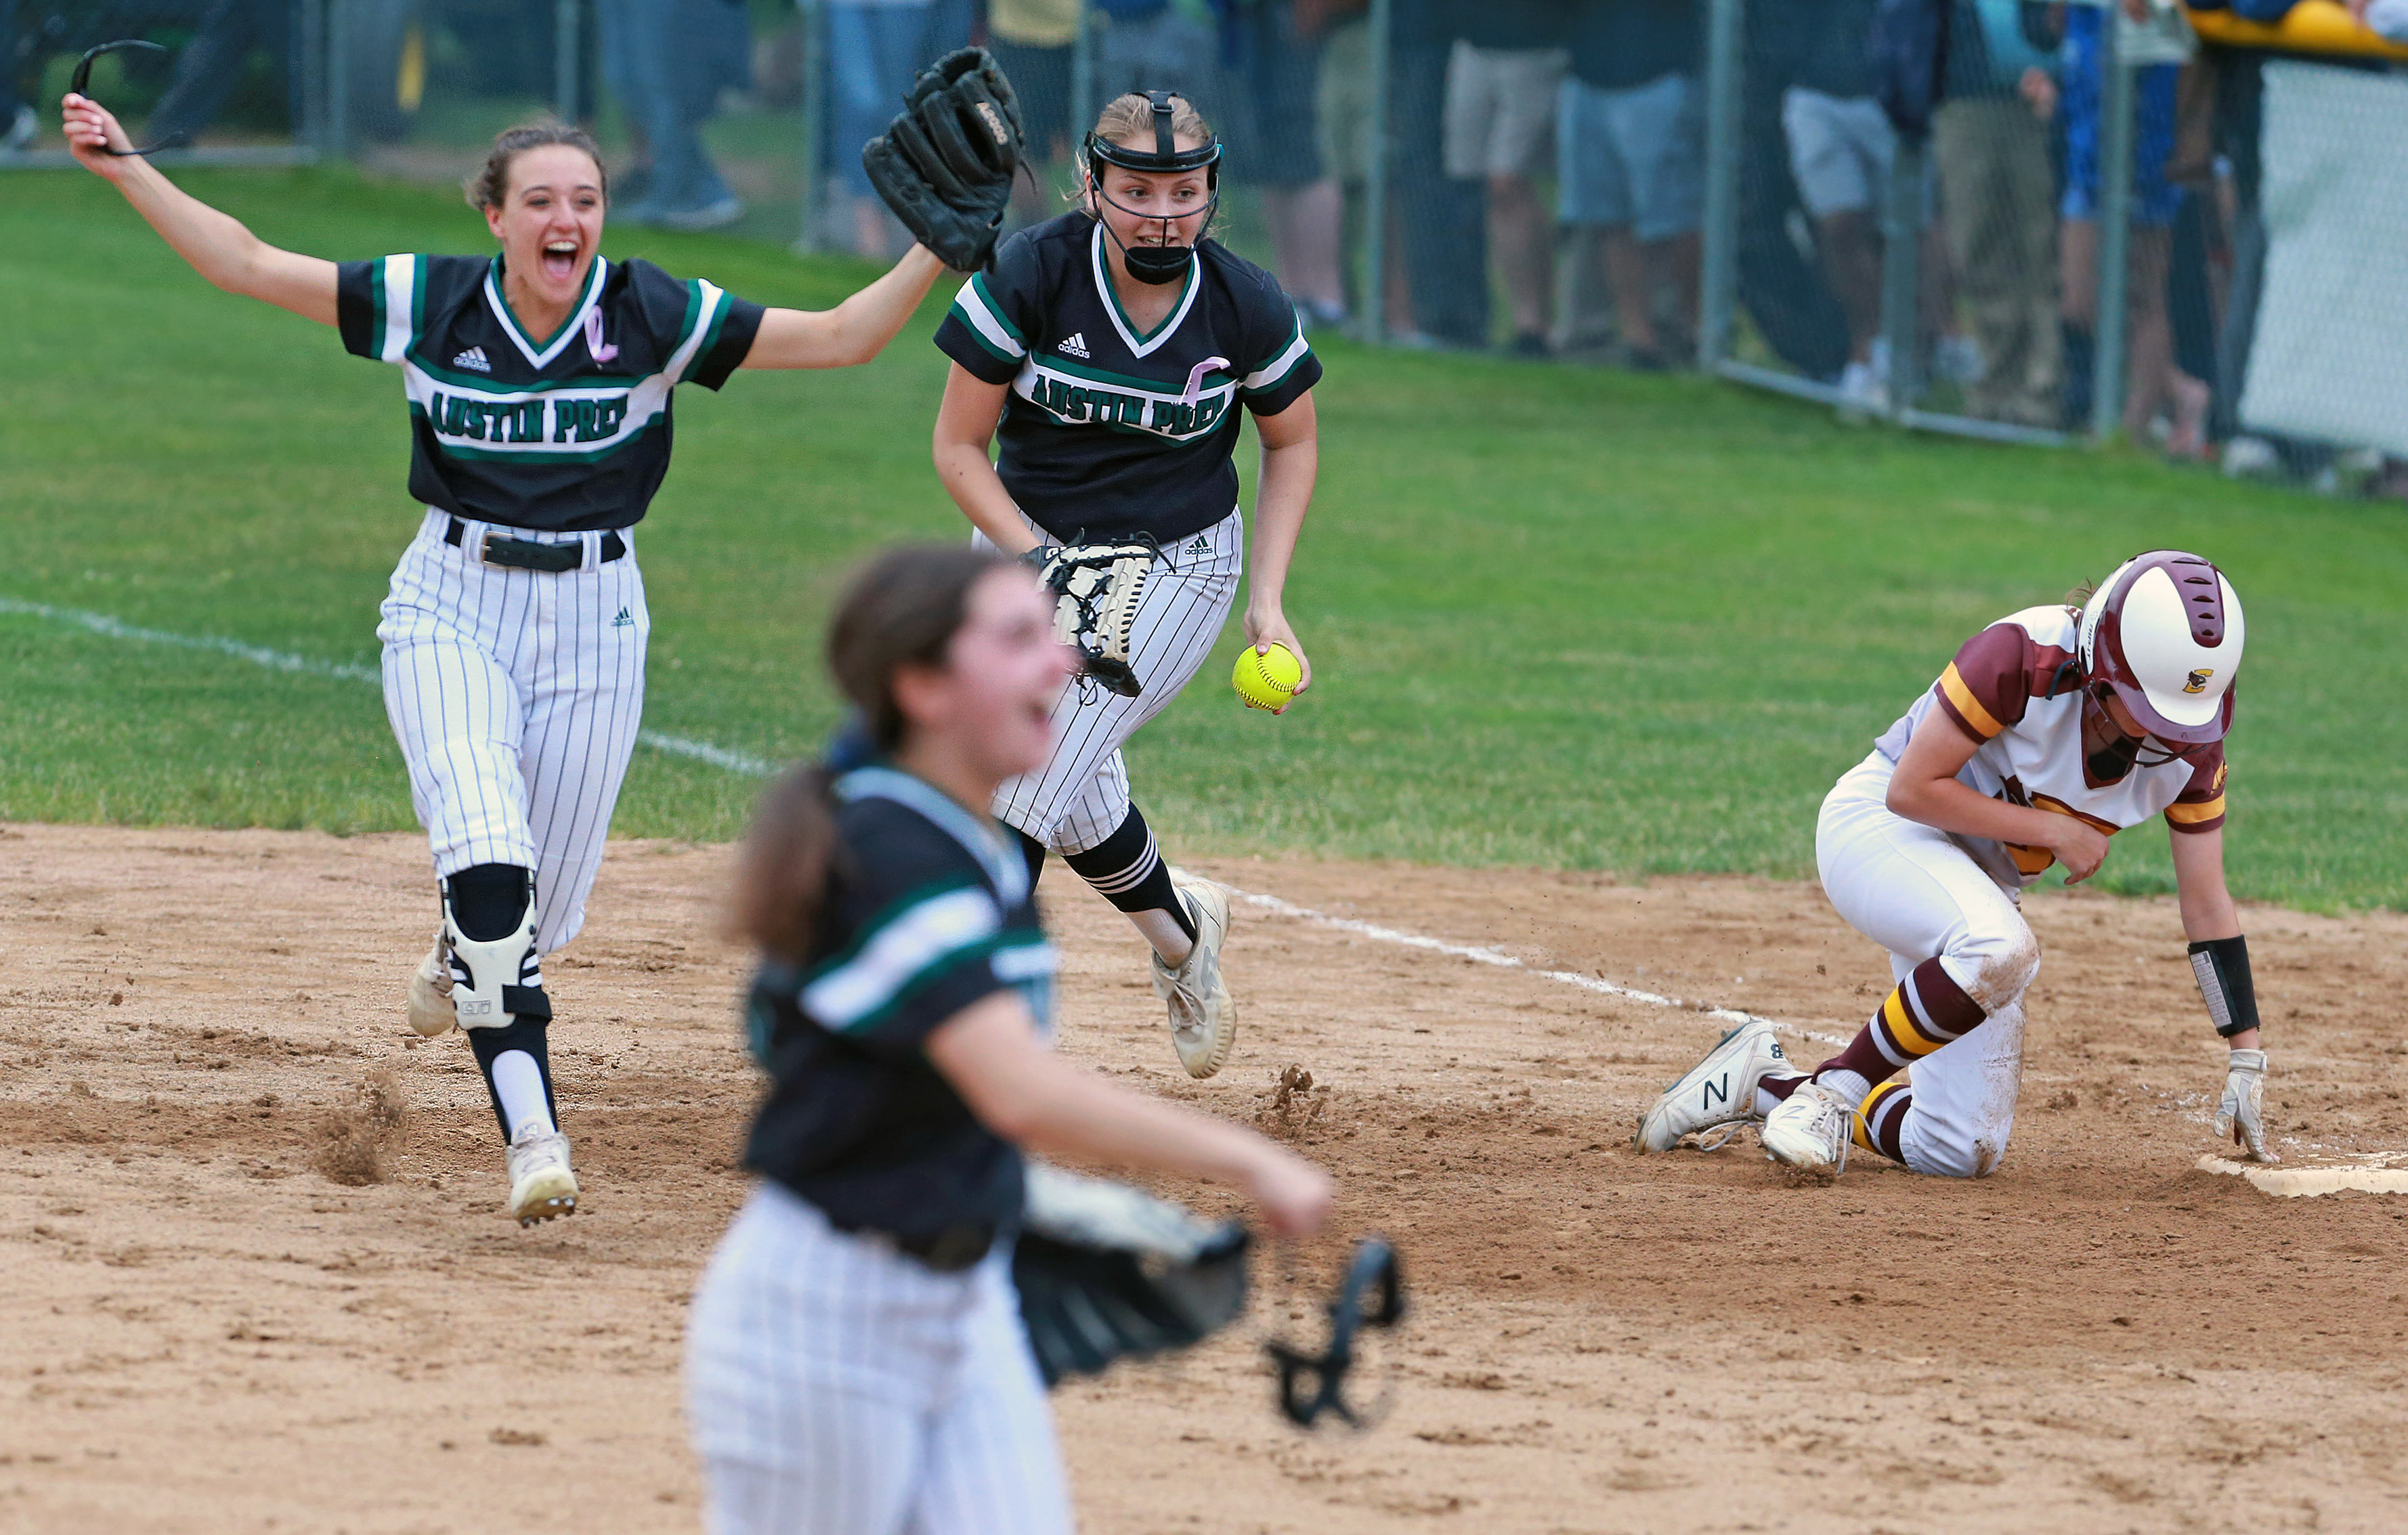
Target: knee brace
[495, 980]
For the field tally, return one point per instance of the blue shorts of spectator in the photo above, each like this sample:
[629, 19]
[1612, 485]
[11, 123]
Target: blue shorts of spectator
[2154, 200]
[1633, 157]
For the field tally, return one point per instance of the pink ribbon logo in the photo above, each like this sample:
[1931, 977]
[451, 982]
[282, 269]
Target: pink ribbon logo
[602, 350]
[1196, 378]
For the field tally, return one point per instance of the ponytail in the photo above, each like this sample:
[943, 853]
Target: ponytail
[782, 873]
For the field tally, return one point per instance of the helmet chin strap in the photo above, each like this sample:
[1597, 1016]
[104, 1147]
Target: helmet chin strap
[2133, 749]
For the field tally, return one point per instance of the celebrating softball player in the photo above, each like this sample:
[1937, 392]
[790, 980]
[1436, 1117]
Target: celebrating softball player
[2052, 729]
[1115, 344]
[855, 1357]
[539, 385]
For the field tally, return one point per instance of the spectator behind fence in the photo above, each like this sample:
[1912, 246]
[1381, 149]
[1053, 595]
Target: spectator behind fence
[875, 48]
[1033, 40]
[1501, 81]
[1840, 148]
[667, 61]
[1156, 45]
[1445, 241]
[1269, 111]
[1631, 152]
[1998, 196]
[2151, 380]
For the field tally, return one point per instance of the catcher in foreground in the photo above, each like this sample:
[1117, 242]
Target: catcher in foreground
[2052, 730]
[857, 1357]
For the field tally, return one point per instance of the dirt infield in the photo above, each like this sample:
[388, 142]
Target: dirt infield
[203, 1331]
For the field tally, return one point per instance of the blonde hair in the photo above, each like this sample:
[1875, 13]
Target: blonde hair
[1128, 121]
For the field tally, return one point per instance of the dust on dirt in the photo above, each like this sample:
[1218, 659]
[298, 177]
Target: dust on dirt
[360, 1131]
[2096, 1336]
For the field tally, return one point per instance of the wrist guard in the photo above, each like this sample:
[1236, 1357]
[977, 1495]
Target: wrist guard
[2222, 967]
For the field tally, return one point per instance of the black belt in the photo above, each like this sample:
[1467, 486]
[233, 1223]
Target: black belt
[949, 1250]
[528, 554]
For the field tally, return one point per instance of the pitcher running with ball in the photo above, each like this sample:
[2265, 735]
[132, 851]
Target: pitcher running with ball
[539, 383]
[2051, 731]
[1114, 346]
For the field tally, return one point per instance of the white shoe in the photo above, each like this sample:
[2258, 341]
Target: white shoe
[1203, 1018]
[1718, 1090]
[541, 1184]
[1863, 392]
[1809, 1130]
[430, 993]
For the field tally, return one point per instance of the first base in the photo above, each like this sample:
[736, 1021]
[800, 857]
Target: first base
[2376, 1172]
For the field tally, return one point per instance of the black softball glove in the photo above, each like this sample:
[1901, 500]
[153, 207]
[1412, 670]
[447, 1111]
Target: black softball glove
[1108, 1272]
[945, 164]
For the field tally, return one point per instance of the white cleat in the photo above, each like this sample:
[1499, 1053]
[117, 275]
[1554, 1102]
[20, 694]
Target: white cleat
[430, 993]
[1809, 1130]
[541, 1184]
[1203, 1018]
[1718, 1090]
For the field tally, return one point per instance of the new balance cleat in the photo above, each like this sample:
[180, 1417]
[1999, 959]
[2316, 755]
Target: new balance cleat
[1203, 1017]
[1810, 1130]
[1719, 1090]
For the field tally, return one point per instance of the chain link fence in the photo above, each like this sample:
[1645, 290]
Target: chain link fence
[2031, 219]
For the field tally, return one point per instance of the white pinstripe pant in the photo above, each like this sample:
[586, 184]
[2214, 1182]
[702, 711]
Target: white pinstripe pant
[1082, 794]
[836, 1387]
[515, 696]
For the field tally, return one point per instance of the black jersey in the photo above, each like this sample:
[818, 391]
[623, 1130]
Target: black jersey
[1107, 432]
[930, 909]
[565, 435]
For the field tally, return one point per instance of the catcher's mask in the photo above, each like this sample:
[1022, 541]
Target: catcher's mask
[1167, 261]
[79, 86]
[2162, 636]
[1372, 1295]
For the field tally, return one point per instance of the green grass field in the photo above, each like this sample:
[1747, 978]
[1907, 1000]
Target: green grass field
[1560, 617]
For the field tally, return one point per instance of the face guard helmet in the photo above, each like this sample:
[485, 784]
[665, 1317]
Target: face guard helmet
[1165, 262]
[2163, 636]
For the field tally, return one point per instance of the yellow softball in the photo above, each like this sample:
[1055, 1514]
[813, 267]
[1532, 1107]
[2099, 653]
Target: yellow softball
[1266, 680]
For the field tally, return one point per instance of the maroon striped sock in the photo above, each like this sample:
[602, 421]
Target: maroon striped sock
[1880, 1119]
[1926, 1010]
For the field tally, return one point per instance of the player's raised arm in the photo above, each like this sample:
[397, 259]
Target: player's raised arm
[945, 168]
[217, 244]
[855, 330]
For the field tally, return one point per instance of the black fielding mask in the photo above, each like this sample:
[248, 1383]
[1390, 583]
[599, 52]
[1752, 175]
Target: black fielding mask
[1157, 264]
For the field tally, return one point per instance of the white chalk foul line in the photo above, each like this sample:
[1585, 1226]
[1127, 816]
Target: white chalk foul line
[750, 766]
[114, 628]
[1504, 961]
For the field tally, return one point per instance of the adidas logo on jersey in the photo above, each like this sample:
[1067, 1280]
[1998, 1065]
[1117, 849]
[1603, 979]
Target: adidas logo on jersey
[625, 621]
[473, 358]
[1201, 546]
[1076, 346]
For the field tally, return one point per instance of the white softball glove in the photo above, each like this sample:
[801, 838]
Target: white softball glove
[2241, 1113]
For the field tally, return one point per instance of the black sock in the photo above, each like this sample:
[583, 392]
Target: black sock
[1034, 851]
[1126, 870]
[489, 1044]
[490, 900]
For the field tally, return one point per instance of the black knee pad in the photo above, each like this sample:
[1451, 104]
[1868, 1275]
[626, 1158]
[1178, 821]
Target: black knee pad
[489, 901]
